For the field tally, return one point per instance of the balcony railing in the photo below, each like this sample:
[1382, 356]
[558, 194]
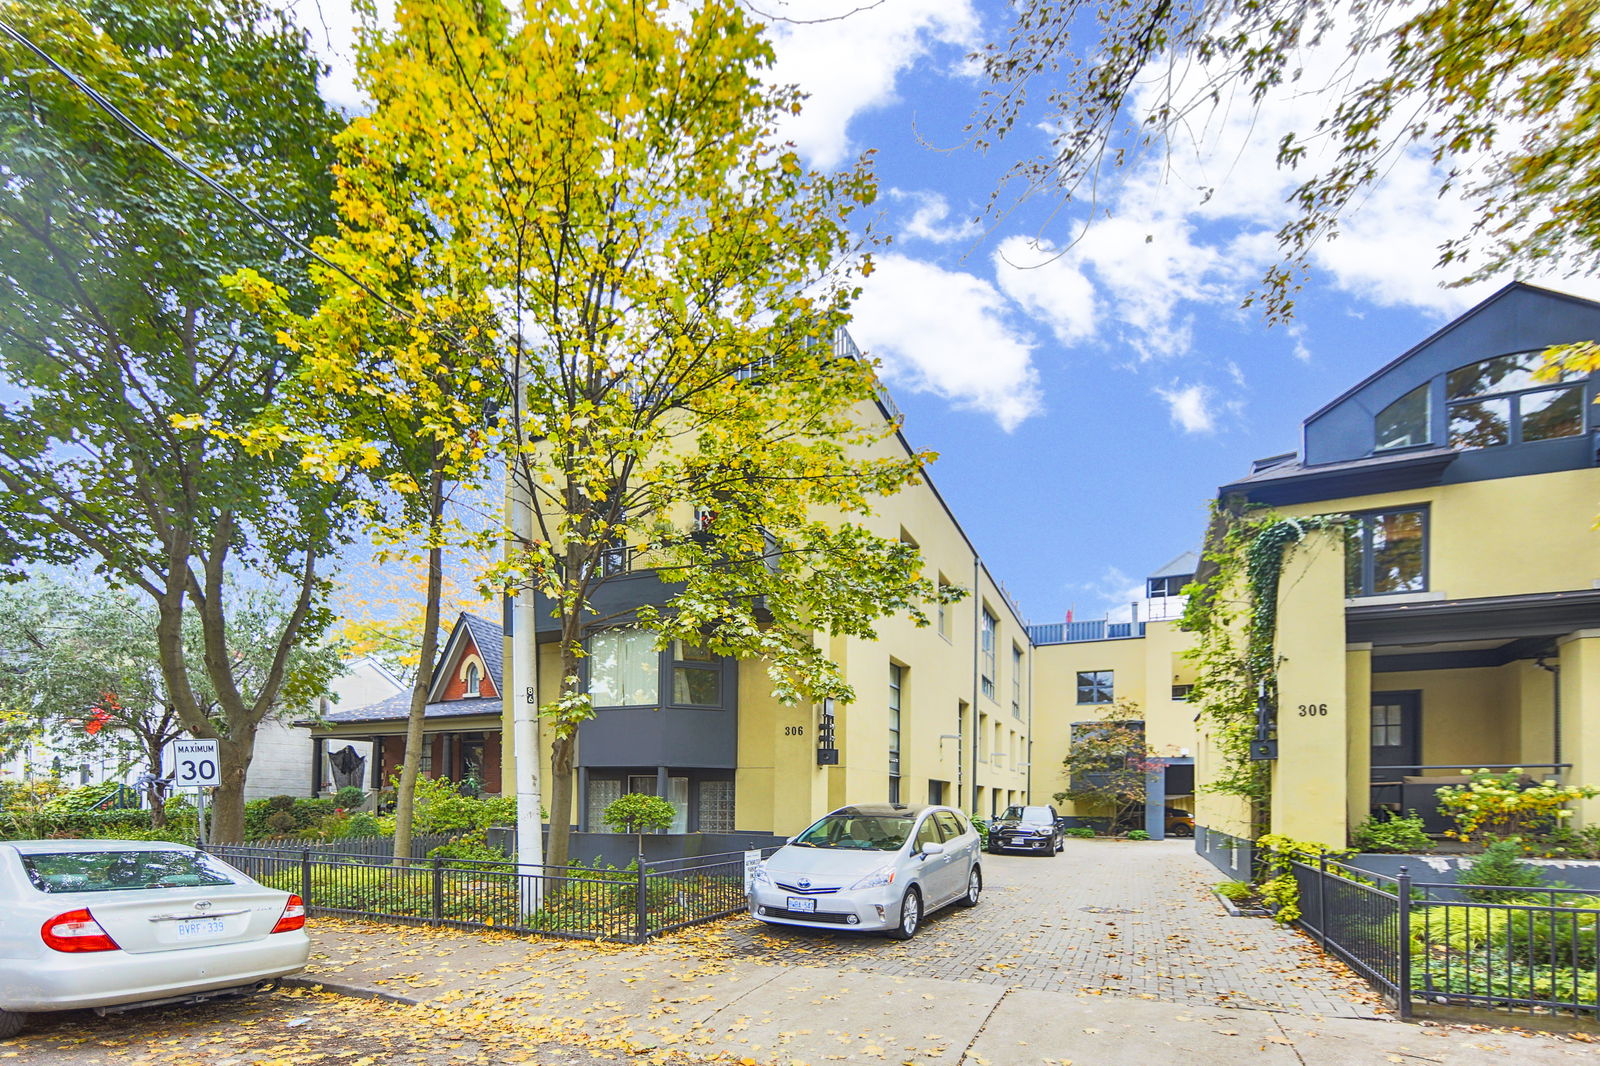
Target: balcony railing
[1073, 632]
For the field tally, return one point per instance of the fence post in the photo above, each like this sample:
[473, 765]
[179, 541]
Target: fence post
[305, 876]
[1403, 996]
[1322, 899]
[641, 906]
[438, 888]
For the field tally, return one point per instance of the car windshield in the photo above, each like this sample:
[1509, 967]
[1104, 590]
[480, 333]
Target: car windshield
[861, 832]
[117, 871]
[1038, 815]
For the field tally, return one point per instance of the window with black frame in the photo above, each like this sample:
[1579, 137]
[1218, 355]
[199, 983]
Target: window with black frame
[1096, 686]
[1501, 401]
[696, 676]
[1386, 552]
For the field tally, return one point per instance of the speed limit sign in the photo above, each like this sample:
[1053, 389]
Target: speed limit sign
[195, 764]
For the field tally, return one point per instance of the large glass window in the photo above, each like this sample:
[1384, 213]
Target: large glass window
[1405, 422]
[897, 674]
[696, 676]
[1016, 681]
[624, 669]
[987, 638]
[1386, 551]
[1499, 401]
[1096, 686]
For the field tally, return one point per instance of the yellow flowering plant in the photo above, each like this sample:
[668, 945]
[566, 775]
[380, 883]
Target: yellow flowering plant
[1493, 805]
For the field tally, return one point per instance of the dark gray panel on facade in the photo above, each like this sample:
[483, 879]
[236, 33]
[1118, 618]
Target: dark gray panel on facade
[613, 602]
[1517, 319]
[654, 737]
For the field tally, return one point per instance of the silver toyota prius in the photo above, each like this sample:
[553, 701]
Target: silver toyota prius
[871, 868]
[113, 924]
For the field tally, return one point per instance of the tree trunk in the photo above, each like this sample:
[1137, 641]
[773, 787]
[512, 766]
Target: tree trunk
[562, 751]
[158, 806]
[226, 804]
[405, 795]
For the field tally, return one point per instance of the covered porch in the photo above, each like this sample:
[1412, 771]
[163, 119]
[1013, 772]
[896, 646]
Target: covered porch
[1438, 689]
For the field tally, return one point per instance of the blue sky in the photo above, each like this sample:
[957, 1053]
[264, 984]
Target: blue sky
[1086, 401]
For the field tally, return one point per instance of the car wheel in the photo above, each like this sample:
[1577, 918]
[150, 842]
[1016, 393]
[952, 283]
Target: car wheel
[910, 916]
[10, 1024]
[974, 888]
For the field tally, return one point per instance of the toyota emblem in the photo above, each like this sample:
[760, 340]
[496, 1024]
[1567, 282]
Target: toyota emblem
[804, 882]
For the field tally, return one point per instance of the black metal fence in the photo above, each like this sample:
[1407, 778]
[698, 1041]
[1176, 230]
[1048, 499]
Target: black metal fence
[1531, 951]
[1356, 918]
[628, 905]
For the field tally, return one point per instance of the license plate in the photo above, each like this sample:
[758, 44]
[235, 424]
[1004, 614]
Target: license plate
[800, 903]
[201, 927]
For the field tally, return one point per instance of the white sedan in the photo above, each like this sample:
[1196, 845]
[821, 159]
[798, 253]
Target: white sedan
[872, 867]
[114, 924]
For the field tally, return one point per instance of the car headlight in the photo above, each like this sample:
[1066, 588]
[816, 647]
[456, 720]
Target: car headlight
[876, 879]
[759, 877]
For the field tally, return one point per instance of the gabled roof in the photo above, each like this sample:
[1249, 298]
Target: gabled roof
[1444, 331]
[1182, 566]
[398, 708]
[484, 636]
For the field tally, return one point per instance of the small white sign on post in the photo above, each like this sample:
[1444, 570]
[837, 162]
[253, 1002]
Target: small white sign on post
[195, 764]
[752, 859]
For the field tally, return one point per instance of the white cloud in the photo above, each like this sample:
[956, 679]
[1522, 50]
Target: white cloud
[1193, 407]
[850, 65]
[949, 333]
[1114, 593]
[1049, 286]
[930, 218]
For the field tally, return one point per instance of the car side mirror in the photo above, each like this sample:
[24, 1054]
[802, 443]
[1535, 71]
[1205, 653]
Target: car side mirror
[931, 848]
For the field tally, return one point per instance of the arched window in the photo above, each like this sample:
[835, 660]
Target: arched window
[1405, 423]
[1501, 401]
[472, 679]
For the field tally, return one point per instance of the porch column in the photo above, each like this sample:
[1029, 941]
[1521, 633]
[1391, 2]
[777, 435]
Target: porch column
[318, 749]
[1358, 731]
[1310, 777]
[1580, 716]
[583, 800]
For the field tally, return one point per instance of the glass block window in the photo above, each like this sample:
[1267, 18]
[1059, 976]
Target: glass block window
[602, 791]
[716, 807]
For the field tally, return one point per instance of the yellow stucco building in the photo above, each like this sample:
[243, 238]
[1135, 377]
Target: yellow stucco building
[1456, 625]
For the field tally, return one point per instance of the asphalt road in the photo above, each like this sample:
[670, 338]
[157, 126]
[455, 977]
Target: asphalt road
[297, 1027]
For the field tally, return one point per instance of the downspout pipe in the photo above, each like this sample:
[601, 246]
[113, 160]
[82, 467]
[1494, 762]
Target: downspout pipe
[977, 666]
[1555, 724]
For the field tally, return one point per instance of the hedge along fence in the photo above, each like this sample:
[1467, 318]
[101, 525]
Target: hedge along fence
[629, 905]
[1529, 951]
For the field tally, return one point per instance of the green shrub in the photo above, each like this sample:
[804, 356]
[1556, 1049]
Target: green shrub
[1500, 865]
[638, 812]
[439, 807]
[1138, 834]
[1391, 833]
[280, 821]
[1237, 891]
[468, 850]
[1081, 832]
[982, 827]
[280, 803]
[362, 824]
[350, 796]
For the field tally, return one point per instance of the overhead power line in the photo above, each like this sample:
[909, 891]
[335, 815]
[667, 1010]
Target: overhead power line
[177, 160]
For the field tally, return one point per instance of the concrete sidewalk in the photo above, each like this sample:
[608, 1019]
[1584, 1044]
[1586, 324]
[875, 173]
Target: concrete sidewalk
[689, 992]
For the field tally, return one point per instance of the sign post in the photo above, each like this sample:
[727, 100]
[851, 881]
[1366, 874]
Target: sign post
[197, 767]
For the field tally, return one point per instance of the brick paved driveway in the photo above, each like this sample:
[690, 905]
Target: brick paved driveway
[1105, 917]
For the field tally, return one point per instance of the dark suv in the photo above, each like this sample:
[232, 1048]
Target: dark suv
[1026, 829]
